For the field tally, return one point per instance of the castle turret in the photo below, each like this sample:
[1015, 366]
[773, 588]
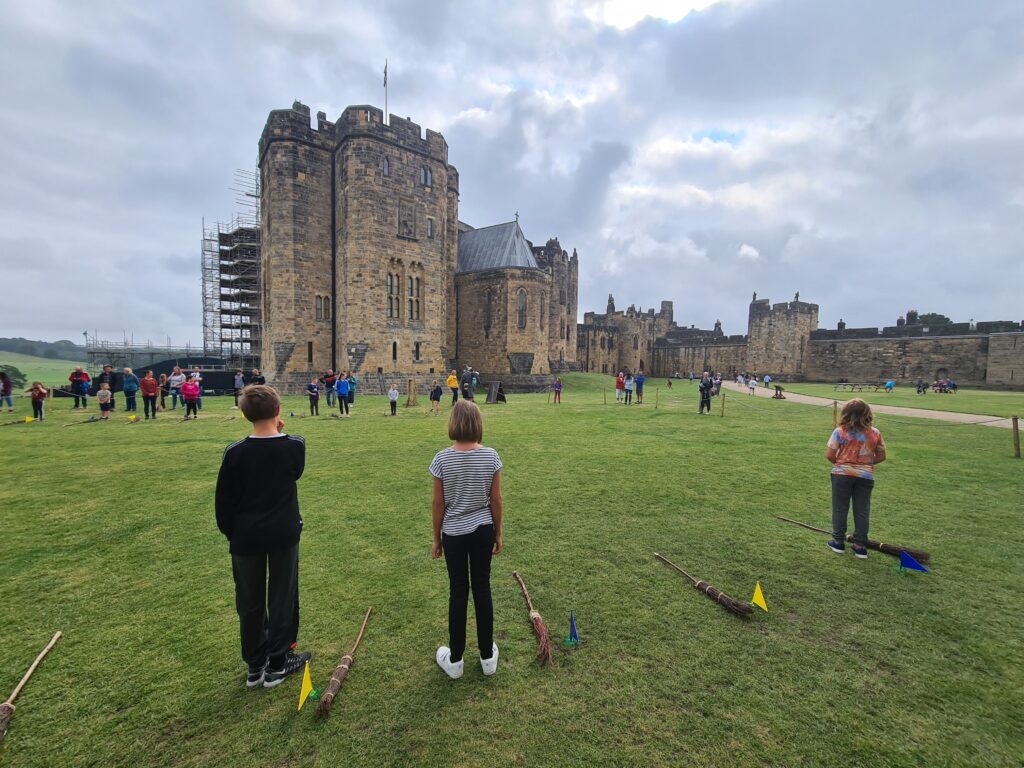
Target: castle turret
[611, 304]
[778, 336]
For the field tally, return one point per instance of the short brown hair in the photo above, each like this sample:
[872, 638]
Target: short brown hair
[466, 424]
[259, 402]
[856, 416]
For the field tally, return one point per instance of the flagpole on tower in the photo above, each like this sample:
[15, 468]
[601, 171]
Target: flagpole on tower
[385, 91]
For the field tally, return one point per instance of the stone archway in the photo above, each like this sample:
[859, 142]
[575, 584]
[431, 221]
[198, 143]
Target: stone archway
[942, 373]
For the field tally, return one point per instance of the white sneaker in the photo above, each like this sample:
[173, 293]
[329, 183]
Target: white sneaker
[444, 661]
[490, 666]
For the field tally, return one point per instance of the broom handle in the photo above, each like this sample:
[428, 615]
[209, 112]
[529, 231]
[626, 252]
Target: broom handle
[522, 585]
[673, 565]
[32, 669]
[361, 630]
[803, 525]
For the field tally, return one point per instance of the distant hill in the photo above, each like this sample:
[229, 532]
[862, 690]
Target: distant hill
[52, 350]
[47, 370]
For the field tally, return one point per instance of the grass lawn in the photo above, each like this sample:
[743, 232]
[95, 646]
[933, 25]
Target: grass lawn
[984, 401]
[50, 372]
[109, 536]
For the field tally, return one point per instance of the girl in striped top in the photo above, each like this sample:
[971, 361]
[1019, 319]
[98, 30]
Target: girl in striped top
[467, 515]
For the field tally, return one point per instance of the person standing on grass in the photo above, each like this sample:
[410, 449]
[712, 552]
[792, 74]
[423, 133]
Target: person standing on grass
[767, 380]
[620, 388]
[393, 398]
[238, 384]
[467, 516]
[197, 377]
[130, 387]
[313, 390]
[452, 382]
[341, 390]
[39, 394]
[190, 396]
[6, 392]
[79, 381]
[110, 379]
[638, 384]
[174, 382]
[106, 400]
[150, 389]
[467, 384]
[257, 378]
[705, 387]
[164, 388]
[854, 448]
[557, 389]
[257, 509]
[435, 397]
[752, 384]
[627, 388]
[329, 380]
[352, 381]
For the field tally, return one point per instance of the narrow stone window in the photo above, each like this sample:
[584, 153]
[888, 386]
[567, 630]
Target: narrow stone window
[430, 229]
[416, 353]
[636, 342]
[309, 352]
[602, 342]
[416, 297]
[319, 308]
[327, 307]
[385, 166]
[488, 313]
[521, 308]
[426, 177]
[394, 351]
[394, 295]
[411, 298]
[561, 297]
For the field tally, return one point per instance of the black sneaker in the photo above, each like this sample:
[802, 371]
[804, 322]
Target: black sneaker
[293, 662]
[255, 677]
[860, 551]
[837, 546]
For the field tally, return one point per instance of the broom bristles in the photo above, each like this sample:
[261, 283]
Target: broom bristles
[327, 697]
[543, 641]
[6, 713]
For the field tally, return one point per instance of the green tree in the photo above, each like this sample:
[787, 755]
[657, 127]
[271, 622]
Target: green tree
[933, 318]
[17, 377]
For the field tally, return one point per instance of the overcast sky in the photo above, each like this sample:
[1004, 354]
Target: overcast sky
[869, 155]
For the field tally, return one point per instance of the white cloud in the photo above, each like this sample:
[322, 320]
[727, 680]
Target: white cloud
[748, 252]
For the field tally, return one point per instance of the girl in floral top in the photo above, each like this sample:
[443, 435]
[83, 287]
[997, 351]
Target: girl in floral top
[854, 449]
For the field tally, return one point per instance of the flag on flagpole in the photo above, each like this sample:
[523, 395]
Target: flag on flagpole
[307, 687]
[758, 598]
[910, 564]
[385, 73]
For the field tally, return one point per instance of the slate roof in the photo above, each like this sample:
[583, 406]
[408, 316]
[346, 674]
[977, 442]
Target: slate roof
[496, 247]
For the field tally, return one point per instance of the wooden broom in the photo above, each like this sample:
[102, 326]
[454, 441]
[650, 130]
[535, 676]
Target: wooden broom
[539, 628]
[7, 708]
[323, 709]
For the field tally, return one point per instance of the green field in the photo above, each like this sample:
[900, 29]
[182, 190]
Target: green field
[983, 401]
[50, 372]
[109, 536]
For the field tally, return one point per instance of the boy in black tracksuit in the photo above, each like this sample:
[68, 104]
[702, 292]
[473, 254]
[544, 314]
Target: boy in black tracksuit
[257, 509]
[705, 387]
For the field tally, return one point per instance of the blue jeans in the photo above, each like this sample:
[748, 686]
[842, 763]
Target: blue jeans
[847, 489]
[9, 399]
[175, 394]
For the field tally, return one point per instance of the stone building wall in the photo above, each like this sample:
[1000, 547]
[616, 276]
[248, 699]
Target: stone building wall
[631, 333]
[1006, 360]
[963, 358]
[718, 355]
[778, 336]
[597, 346]
[562, 305]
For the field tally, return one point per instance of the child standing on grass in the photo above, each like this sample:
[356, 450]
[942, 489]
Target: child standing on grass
[854, 449]
[6, 390]
[106, 400]
[558, 389]
[313, 390]
[39, 394]
[257, 508]
[393, 399]
[341, 389]
[190, 394]
[467, 516]
[150, 389]
[435, 397]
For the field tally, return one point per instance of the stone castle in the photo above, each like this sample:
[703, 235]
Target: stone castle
[365, 266]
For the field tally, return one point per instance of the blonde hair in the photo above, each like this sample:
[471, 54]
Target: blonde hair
[856, 416]
[259, 402]
[466, 424]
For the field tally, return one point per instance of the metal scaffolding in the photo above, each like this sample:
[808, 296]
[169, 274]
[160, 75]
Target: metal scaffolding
[231, 279]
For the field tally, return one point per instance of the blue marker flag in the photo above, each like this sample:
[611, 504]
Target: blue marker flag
[906, 561]
[574, 635]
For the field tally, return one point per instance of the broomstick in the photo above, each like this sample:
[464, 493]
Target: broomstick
[890, 549]
[539, 628]
[327, 698]
[90, 420]
[7, 708]
[730, 604]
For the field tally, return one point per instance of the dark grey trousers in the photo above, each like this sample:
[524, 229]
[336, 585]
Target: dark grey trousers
[845, 489]
[267, 601]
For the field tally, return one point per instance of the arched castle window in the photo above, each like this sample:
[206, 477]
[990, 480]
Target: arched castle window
[602, 342]
[543, 310]
[561, 329]
[385, 166]
[394, 351]
[319, 308]
[426, 177]
[416, 353]
[488, 313]
[414, 295]
[521, 308]
[636, 342]
[430, 229]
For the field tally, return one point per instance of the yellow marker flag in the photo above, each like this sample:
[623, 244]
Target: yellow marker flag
[307, 687]
[758, 598]
[29, 419]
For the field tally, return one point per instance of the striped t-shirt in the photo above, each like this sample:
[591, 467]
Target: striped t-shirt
[466, 477]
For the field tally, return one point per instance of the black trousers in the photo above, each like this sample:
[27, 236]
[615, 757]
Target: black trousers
[149, 405]
[343, 403]
[267, 601]
[314, 406]
[394, 407]
[129, 402]
[847, 489]
[37, 408]
[455, 395]
[468, 558]
[190, 408]
[705, 400]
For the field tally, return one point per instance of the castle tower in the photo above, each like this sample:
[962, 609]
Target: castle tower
[360, 229]
[778, 336]
[562, 301]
